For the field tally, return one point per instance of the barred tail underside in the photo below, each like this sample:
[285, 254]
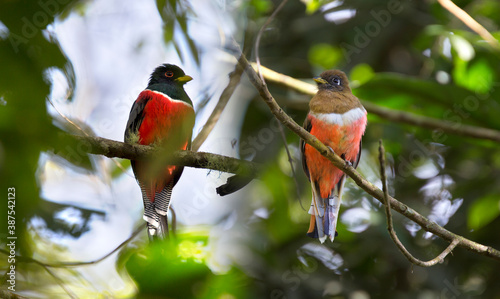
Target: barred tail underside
[324, 212]
[155, 213]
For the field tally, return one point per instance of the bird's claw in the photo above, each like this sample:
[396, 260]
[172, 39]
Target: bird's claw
[347, 162]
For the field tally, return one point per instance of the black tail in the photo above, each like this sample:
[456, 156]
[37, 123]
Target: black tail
[233, 184]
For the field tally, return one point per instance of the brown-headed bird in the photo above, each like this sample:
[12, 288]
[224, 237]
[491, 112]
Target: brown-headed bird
[337, 118]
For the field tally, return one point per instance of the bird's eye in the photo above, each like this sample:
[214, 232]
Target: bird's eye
[169, 74]
[336, 81]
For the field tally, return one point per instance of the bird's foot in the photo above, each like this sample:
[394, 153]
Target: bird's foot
[347, 162]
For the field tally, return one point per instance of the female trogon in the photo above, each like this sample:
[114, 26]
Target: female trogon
[337, 119]
[162, 116]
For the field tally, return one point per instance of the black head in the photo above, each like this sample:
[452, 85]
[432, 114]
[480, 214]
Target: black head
[169, 74]
[334, 80]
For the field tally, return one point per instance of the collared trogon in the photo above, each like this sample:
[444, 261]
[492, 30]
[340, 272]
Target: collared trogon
[337, 118]
[162, 116]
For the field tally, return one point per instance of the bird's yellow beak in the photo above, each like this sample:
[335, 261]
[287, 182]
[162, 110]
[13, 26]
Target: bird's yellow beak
[184, 79]
[320, 80]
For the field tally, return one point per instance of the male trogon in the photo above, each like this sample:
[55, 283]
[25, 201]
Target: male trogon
[162, 116]
[337, 118]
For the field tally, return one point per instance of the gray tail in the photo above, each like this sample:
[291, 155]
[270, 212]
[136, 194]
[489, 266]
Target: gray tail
[324, 213]
[155, 213]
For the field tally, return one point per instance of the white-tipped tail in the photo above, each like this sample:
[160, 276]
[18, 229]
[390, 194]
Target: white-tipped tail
[325, 212]
[155, 213]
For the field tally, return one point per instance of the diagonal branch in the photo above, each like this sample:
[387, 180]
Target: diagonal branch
[470, 22]
[371, 189]
[234, 79]
[390, 227]
[390, 114]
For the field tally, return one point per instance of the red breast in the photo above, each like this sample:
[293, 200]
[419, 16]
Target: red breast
[168, 122]
[163, 117]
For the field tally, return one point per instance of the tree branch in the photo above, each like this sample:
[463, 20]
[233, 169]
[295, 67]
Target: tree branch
[234, 79]
[280, 126]
[259, 35]
[112, 149]
[470, 22]
[398, 206]
[390, 227]
[390, 114]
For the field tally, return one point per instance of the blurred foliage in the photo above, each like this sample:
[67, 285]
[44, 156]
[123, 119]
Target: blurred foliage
[25, 127]
[483, 211]
[177, 268]
[410, 55]
[324, 56]
[175, 16]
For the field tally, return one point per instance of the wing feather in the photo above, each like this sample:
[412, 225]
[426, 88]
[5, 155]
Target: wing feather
[307, 126]
[136, 117]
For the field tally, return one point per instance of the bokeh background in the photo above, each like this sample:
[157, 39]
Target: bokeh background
[73, 66]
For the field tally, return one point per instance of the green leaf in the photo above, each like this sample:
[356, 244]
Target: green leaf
[177, 268]
[361, 74]
[478, 77]
[119, 170]
[483, 211]
[313, 5]
[159, 269]
[425, 97]
[261, 6]
[324, 56]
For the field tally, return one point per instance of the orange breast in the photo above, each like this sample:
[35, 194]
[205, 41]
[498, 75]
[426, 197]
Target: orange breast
[343, 139]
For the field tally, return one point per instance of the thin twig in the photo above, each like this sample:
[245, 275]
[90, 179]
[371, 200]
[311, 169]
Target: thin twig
[290, 160]
[60, 282]
[75, 264]
[390, 114]
[67, 119]
[234, 79]
[84, 133]
[25, 259]
[259, 35]
[470, 22]
[371, 189]
[257, 59]
[390, 227]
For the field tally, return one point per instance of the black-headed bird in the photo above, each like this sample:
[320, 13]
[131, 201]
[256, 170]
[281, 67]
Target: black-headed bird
[162, 116]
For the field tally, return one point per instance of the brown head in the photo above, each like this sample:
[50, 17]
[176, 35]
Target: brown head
[334, 94]
[333, 80]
